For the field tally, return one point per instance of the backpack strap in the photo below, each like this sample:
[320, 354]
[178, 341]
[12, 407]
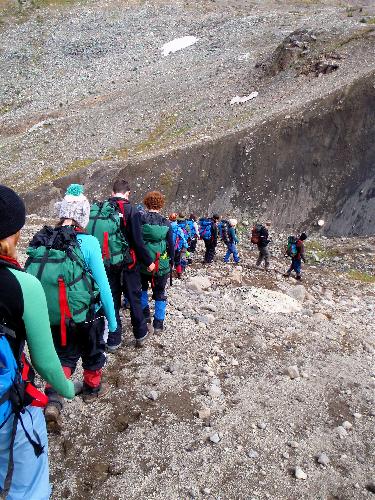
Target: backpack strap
[105, 250]
[156, 270]
[65, 313]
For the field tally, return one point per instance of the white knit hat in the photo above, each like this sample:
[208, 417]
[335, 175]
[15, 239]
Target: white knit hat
[233, 222]
[74, 205]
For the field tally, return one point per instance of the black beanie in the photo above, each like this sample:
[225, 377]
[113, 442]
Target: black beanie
[12, 212]
[303, 236]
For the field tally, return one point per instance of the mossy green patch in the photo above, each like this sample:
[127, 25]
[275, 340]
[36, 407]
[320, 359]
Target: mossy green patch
[356, 275]
[320, 251]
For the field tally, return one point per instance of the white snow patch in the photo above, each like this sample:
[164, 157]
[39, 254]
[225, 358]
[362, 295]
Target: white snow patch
[240, 100]
[178, 44]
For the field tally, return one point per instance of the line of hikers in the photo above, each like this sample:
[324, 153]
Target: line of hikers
[69, 294]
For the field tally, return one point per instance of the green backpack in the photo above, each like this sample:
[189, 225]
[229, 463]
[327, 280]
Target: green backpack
[105, 225]
[55, 258]
[154, 237]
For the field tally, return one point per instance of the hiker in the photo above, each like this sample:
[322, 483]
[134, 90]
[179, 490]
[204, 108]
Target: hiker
[117, 225]
[179, 244]
[229, 236]
[184, 243]
[193, 233]
[23, 318]
[69, 264]
[296, 250]
[208, 232]
[158, 238]
[260, 237]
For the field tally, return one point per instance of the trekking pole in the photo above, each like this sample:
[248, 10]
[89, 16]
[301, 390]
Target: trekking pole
[170, 275]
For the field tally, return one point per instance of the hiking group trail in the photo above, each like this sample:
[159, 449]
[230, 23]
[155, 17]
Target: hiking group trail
[254, 380]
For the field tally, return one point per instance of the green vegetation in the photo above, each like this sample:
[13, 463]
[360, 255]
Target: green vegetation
[356, 275]
[49, 175]
[316, 247]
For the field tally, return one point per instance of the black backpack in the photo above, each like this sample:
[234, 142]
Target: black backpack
[224, 231]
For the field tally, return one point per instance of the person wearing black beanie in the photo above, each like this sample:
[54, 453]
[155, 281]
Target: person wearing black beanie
[12, 212]
[23, 318]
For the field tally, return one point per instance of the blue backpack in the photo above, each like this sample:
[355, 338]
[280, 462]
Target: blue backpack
[8, 374]
[13, 393]
[185, 228]
[205, 229]
[193, 233]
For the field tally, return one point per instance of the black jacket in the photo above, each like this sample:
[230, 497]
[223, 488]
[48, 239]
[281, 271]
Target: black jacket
[263, 238]
[133, 232]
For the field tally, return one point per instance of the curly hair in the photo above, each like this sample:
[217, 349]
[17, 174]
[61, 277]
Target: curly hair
[154, 200]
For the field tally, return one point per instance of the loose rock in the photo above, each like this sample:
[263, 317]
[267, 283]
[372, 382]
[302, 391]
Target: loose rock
[300, 474]
[323, 458]
[293, 372]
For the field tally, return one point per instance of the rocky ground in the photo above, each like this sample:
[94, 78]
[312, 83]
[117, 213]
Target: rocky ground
[87, 81]
[259, 388]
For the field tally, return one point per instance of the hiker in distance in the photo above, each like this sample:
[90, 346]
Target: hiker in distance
[158, 237]
[23, 318]
[296, 250]
[260, 237]
[229, 237]
[117, 225]
[208, 232]
[68, 262]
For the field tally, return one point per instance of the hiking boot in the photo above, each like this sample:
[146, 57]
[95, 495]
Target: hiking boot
[286, 275]
[298, 278]
[149, 327]
[53, 418]
[112, 348]
[158, 331]
[91, 394]
[141, 342]
[78, 387]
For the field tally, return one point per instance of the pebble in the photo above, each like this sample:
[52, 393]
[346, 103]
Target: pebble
[252, 454]
[357, 415]
[206, 491]
[153, 395]
[204, 413]
[347, 425]
[261, 425]
[293, 444]
[341, 431]
[214, 391]
[300, 474]
[215, 438]
[293, 372]
[286, 455]
[323, 458]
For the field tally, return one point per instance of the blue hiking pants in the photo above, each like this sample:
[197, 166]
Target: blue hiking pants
[231, 249]
[295, 266]
[30, 477]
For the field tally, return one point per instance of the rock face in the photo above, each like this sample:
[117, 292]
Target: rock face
[287, 148]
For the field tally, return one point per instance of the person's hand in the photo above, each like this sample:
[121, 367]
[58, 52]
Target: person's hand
[151, 267]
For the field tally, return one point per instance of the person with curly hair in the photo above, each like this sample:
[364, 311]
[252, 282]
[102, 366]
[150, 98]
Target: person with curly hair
[158, 238]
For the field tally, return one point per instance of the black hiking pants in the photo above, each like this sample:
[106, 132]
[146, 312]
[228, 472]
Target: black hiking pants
[83, 340]
[127, 281]
[132, 289]
[210, 251]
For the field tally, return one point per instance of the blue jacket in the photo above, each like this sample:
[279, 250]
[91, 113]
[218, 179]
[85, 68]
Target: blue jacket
[93, 258]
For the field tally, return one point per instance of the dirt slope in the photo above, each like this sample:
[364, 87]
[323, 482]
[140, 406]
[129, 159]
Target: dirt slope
[224, 353]
[85, 86]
